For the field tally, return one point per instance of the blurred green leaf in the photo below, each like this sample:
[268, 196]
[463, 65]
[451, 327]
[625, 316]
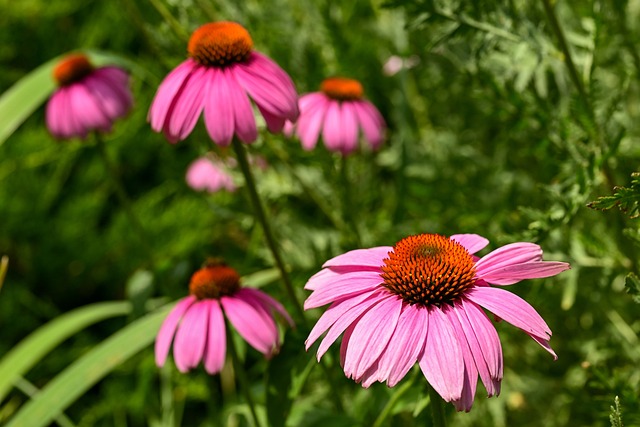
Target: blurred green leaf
[74, 381]
[4, 265]
[37, 345]
[632, 285]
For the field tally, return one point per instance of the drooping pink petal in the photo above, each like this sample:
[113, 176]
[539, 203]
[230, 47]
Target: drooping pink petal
[244, 120]
[258, 330]
[111, 86]
[115, 75]
[268, 86]
[442, 361]
[216, 350]
[484, 343]
[512, 309]
[218, 108]
[56, 112]
[346, 284]
[274, 123]
[332, 127]
[188, 104]
[349, 129]
[333, 313]
[86, 110]
[164, 97]
[471, 242]
[204, 174]
[372, 257]
[322, 278]
[404, 347]
[470, 369]
[371, 122]
[168, 329]
[531, 270]
[191, 337]
[349, 318]
[344, 345]
[311, 119]
[371, 336]
[269, 302]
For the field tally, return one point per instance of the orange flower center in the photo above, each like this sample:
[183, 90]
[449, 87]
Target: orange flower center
[220, 44]
[214, 281]
[71, 69]
[341, 88]
[428, 269]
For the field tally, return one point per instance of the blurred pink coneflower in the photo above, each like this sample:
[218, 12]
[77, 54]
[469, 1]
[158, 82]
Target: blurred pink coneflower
[340, 113]
[198, 321]
[421, 300]
[217, 79]
[209, 174]
[87, 98]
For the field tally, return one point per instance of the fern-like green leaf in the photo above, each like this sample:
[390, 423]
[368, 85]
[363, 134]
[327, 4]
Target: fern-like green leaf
[627, 199]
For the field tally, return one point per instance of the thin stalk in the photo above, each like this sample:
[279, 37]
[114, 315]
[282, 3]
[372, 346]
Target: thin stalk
[122, 194]
[382, 418]
[171, 21]
[437, 408]
[347, 200]
[32, 391]
[4, 266]
[568, 59]
[266, 226]
[239, 370]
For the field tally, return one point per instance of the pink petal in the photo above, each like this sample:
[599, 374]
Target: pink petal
[333, 314]
[274, 123]
[311, 119]
[166, 93]
[345, 285]
[191, 337]
[268, 85]
[258, 329]
[511, 254]
[345, 343]
[168, 329]
[404, 347]
[484, 343]
[349, 128]
[470, 370]
[56, 112]
[187, 106]
[349, 318]
[86, 110]
[372, 257]
[531, 270]
[332, 128]
[471, 242]
[217, 338]
[269, 302]
[511, 308]
[110, 85]
[218, 109]
[371, 336]
[245, 121]
[442, 361]
[371, 122]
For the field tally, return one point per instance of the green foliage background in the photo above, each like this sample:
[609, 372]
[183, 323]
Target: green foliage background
[493, 132]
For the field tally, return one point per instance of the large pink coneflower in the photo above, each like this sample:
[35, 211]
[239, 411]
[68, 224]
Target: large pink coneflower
[209, 174]
[87, 98]
[421, 300]
[198, 321]
[217, 79]
[340, 113]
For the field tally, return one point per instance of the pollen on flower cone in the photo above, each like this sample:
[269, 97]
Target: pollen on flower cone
[220, 43]
[72, 69]
[342, 88]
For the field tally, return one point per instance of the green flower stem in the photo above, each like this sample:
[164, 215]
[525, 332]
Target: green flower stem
[437, 408]
[266, 227]
[242, 379]
[4, 266]
[347, 201]
[382, 418]
[122, 194]
[171, 21]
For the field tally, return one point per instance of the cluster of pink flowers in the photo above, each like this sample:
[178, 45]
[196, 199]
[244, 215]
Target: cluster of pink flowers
[419, 301]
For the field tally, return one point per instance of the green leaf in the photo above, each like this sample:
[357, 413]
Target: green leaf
[38, 344]
[625, 198]
[26, 95]
[70, 384]
[615, 417]
[632, 285]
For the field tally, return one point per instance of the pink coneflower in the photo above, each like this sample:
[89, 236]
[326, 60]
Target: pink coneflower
[222, 72]
[87, 98]
[340, 113]
[198, 321]
[421, 300]
[209, 174]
